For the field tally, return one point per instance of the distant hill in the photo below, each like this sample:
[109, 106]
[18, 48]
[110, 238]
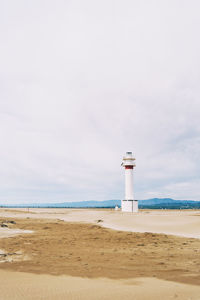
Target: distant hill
[162, 203]
[154, 203]
[81, 204]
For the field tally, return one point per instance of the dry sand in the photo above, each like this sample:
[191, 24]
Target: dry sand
[65, 260]
[26, 286]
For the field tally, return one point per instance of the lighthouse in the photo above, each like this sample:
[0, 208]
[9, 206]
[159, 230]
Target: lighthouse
[129, 204]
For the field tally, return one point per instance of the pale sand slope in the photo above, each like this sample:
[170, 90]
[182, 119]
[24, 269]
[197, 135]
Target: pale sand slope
[175, 222]
[23, 286]
[7, 232]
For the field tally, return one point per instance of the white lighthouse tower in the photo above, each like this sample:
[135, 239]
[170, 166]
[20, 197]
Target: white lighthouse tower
[129, 204]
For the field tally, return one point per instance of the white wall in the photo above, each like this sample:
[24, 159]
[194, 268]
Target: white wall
[129, 206]
[129, 184]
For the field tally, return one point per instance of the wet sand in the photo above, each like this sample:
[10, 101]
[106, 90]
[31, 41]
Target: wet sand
[172, 222]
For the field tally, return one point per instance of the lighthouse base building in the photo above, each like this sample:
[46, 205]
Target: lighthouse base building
[129, 204]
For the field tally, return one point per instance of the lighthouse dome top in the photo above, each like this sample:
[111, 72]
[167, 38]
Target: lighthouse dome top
[128, 159]
[129, 154]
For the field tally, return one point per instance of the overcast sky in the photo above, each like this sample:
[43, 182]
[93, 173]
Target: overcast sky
[82, 82]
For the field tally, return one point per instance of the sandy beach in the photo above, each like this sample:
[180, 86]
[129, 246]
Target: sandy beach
[73, 254]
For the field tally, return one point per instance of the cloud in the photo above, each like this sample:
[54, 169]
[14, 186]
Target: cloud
[81, 83]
